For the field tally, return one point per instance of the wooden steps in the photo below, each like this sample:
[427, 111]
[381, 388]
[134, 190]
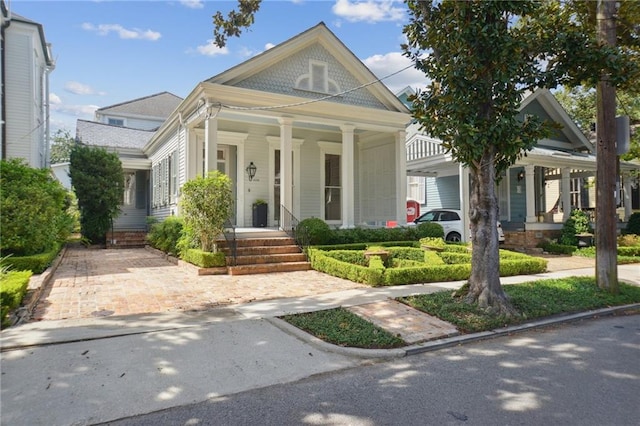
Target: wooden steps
[265, 254]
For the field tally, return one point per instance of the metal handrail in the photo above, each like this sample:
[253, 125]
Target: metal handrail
[289, 224]
[229, 232]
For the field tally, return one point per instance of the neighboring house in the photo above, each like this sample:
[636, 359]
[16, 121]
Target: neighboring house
[144, 113]
[26, 63]
[536, 195]
[326, 139]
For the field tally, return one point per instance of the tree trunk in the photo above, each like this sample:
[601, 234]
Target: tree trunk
[484, 283]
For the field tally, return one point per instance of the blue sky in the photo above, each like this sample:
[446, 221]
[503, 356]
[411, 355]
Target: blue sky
[107, 52]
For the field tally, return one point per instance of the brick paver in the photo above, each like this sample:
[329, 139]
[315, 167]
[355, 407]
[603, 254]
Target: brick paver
[98, 282]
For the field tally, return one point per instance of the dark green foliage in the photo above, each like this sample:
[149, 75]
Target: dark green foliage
[34, 209]
[13, 287]
[578, 223]
[633, 225]
[204, 259]
[344, 328]
[555, 248]
[316, 230]
[36, 263]
[166, 234]
[429, 230]
[98, 180]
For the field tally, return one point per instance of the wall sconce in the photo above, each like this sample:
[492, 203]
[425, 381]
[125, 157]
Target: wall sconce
[520, 175]
[251, 171]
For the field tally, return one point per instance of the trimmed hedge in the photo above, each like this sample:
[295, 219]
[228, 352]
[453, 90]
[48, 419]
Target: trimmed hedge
[204, 259]
[451, 258]
[13, 287]
[364, 246]
[36, 263]
[556, 248]
[629, 251]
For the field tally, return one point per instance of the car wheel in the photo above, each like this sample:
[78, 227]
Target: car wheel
[454, 237]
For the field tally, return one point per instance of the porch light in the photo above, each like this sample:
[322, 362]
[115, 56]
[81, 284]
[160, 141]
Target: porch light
[251, 171]
[520, 175]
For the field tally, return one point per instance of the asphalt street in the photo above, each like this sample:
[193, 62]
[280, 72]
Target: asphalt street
[583, 373]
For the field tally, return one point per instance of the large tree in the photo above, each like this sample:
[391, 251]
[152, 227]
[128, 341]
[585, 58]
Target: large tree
[61, 145]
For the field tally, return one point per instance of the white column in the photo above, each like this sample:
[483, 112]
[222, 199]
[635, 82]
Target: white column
[347, 171]
[240, 177]
[566, 193]
[210, 144]
[401, 177]
[286, 178]
[530, 191]
[463, 176]
[626, 186]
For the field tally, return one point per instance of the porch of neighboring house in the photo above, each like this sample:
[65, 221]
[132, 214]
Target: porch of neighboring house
[535, 196]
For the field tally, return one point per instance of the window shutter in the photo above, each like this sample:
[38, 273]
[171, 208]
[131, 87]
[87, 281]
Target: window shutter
[141, 189]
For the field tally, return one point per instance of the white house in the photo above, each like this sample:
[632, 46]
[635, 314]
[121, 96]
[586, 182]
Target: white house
[537, 193]
[26, 63]
[325, 138]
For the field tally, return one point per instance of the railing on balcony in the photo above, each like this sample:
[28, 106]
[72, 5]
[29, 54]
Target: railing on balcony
[230, 236]
[289, 224]
[422, 146]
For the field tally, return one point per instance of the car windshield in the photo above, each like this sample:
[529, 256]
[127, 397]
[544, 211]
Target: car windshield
[429, 216]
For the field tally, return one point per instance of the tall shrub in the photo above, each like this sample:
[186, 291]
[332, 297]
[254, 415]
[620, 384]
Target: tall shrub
[98, 180]
[206, 203]
[33, 209]
[578, 223]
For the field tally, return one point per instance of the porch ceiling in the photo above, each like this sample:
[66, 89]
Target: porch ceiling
[576, 160]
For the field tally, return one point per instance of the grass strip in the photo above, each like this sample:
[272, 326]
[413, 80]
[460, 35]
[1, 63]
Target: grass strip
[344, 328]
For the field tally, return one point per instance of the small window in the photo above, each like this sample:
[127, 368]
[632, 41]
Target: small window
[116, 122]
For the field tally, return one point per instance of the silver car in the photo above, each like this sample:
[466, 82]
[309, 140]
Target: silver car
[451, 222]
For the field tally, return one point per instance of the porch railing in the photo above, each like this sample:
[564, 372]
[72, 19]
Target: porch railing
[229, 232]
[421, 146]
[289, 224]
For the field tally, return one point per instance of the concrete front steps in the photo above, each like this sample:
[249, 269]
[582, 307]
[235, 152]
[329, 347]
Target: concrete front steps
[126, 239]
[262, 254]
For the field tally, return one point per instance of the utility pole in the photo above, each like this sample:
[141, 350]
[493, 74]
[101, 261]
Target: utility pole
[606, 169]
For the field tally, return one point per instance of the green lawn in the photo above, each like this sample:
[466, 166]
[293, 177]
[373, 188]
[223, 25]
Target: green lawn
[537, 299]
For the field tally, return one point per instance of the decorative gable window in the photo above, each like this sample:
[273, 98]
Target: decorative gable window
[317, 80]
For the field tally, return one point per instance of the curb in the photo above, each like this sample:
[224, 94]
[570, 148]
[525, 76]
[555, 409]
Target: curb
[434, 345]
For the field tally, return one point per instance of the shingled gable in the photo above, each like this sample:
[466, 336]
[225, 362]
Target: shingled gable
[324, 37]
[107, 136]
[159, 106]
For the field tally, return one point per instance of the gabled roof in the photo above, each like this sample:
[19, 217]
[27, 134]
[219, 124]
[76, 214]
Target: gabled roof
[159, 105]
[46, 47]
[106, 135]
[552, 107]
[317, 34]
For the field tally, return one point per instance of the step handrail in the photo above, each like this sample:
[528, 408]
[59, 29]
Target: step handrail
[289, 224]
[229, 232]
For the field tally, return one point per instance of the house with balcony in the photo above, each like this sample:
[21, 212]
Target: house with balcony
[26, 62]
[537, 193]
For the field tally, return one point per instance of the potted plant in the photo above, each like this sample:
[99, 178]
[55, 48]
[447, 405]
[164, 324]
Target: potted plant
[259, 213]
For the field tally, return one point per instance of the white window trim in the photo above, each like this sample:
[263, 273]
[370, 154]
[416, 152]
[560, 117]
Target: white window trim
[332, 148]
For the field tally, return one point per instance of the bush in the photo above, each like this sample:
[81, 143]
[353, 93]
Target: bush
[204, 259]
[629, 240]
[316, 229]
[555, 248]
[36, 263]
[34, 209]
[633, 225]
[578, 223]
[166, 234]
[429, 230]
[13, 287]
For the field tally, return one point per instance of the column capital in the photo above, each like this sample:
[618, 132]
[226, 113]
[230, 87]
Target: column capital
[347, 128]
[285, 121]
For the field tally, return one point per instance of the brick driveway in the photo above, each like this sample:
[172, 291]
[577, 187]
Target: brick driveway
[98, 282]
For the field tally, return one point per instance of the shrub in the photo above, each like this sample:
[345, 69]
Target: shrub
[204, 259]
[34, 209]
[629, 240]
[633, 225]
[166, 234]
[429, 229]
[578, 223]
[433, 242]
[13, 287]
[207, 203]
[98, 180]
[36, 263]
[316, 229]
[555, 248]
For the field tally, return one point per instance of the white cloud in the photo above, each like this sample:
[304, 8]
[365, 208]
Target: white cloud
[78, 88]
[368, 11]
[192, 4]
[209, 49]
[269, 46]
[124, 33]
[85, 111]
[384, 65]
[54, 99]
